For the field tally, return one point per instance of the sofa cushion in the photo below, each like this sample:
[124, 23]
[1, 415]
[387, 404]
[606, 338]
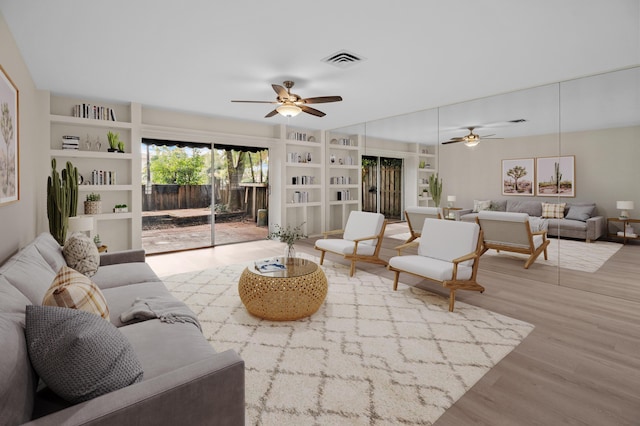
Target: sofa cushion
[81, 254]
[532, 208]
[18, 380]
[123, 274]
[29, 272]
[71, 289]
[580, 212]
[479, 205]
[553, 210]
[77, 354]
[11, 299]
[120, 299]
[50, 250]
[163, 347]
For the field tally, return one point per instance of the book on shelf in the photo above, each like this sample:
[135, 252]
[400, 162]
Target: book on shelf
[270, 265]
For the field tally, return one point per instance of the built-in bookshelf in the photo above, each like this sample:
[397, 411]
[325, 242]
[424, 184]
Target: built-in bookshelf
[78, 134]
[343, 178]
[427, 166]
[302, 189]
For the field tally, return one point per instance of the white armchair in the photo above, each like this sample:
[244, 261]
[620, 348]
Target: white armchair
[361, 239]
[415, 219]
[448, 253]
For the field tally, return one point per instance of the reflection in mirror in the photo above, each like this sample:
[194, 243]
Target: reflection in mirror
[513, 129]
[343, 174]
[601, 127]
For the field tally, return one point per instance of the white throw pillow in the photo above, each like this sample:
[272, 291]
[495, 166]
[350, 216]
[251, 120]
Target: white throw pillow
[480, 205]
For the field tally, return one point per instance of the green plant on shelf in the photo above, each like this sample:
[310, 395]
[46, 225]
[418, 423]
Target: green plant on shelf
[93, 197]
[114, 140]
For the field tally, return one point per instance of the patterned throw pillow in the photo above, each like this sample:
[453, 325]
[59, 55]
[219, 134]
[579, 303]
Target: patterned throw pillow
[480, 205]
[81, 254]
[71, 289]
[553, 211]
[77, 354]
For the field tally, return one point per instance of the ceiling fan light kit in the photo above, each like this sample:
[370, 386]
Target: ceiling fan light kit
[289, 110]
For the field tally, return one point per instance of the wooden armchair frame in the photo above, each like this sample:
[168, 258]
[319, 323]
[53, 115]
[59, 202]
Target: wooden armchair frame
[354, 256]
[454, 283]
[490, 226]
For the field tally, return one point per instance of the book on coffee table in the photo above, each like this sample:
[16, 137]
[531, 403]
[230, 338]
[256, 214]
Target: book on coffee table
[270, 265]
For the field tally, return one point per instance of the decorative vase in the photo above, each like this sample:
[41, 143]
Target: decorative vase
[92, 207]
[289, 253]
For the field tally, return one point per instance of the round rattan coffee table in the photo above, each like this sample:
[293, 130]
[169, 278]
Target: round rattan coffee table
[294, 293]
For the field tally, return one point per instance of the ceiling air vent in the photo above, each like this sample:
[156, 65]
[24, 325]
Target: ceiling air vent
[343, 59]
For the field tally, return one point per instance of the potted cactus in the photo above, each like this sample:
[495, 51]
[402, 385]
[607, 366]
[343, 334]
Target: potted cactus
[62, 199]
[93, 205]
[435, 188]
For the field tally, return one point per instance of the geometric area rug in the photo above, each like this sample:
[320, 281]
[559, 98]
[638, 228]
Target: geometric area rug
[369, 355]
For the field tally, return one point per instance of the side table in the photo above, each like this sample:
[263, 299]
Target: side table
[449, 213]
[624, 235]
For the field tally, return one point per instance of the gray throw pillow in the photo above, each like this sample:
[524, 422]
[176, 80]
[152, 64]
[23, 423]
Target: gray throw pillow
[78, 354]
[581, 213]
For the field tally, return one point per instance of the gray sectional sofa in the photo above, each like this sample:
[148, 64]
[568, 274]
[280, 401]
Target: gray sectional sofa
[184, 382]
[582, 222]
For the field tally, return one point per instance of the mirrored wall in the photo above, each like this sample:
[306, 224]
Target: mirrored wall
[593, 121]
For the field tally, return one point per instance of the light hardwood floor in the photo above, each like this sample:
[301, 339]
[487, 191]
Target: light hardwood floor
[581, 364]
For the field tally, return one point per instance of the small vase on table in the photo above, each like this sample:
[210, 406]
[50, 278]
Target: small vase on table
[289, 253]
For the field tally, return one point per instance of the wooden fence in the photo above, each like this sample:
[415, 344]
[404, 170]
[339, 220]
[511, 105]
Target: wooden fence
[390, 191]
[176, 197]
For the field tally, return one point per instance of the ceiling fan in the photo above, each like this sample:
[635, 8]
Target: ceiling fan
[473, 139]
[291, 104]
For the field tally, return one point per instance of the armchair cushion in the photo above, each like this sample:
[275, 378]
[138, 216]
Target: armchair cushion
[429, 267]
[362, 225]
[345, 246]
[448, 240]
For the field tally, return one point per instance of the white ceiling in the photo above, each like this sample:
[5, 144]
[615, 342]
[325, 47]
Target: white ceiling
[196, 56]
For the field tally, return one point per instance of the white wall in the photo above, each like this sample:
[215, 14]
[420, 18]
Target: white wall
[18, 221]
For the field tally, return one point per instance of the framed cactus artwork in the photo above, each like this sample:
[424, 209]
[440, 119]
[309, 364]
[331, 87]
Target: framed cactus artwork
[556, 176]
[9, 172]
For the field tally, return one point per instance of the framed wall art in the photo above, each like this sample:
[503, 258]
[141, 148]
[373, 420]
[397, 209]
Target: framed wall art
[518, 176]
[9, 173]
[556, 176]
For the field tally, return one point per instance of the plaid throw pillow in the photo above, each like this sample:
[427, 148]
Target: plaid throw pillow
[71, 289]
[553, 211]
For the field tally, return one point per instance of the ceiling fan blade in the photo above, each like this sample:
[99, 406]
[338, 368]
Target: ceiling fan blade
[271, 114]
[483, 138]
[453, 141]
[281, 91]
[486, 136]
[258, 102]
[321, 99]
[312, 111]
